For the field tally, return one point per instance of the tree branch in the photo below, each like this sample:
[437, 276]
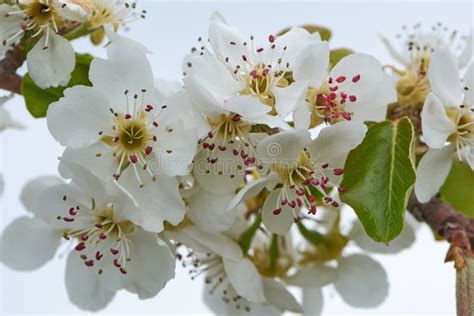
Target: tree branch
[9, 79]
[453, 226]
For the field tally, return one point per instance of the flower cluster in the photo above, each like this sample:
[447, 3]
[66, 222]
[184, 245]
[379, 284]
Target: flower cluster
[220, 171]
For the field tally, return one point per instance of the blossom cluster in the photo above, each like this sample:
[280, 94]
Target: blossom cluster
[221, 171]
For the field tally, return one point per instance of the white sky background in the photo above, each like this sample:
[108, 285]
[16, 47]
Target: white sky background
[419, 280]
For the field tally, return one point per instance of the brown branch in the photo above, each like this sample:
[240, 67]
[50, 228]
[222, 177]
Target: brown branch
[9, 79]
[453, 226]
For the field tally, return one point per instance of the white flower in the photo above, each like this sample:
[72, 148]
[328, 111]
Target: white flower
[447, 123]
[355, 89]
[111, 252]
[51, 61]
[6, 120]
[418, 45]
[233, 284]
[300, 165]
[123, 127]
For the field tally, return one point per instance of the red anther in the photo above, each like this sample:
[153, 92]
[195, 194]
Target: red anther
[352, 98]
[253, 74]
[284, 202]
[277, 211]
[327, 199]
[154, 138]
[148, 108]
[298, 201]
[212, 146]
[300, 192]
[265, 72]
[324, 187]
[205, 145]
[102, 236]
[210, 135]
[338, 171]
[81, 246]
[222, 148]
[148, 150]
[259, 50]
[133, 159]
[235, 152]
[314, 181]
[347, 116]
[341, 189]
[341, 79]
[89, 263]
[327, 119]
[333, 88]
[335, 114]
[343, 95]
[24, 26]
[98, 225]
[243, 154]
[356, 78]
[324, 166]
[330, 80]
[128, 116]
[213, 161]
[84, 237]
[244, 58]
[236, 118]
[116, 263]
[114, 251]
[335, 204]
[325, 180]
[312, 210]
[68, 219]
[155, 124]
[116, 139]
[311, 198]
[271, 38]
[250, 160]
[72, 211]
[123, 271]
[332, 96]
[292, 204]
[98, 255]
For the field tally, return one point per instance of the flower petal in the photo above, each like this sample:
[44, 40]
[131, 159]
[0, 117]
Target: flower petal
[312, 64]
[249, 191]
[278, 224]
[245, 279]
[34, 188]
[444, 78]
[313, 301]
[78, 119]
[362, 281]
[432, 171]
[83, 285]
[283, 147]
[466, 55]
[287, 99]
[10, 25]
[468, 83]
[28, 243]
[277, 295]
[436, 125]
[314, 276]
[334, 143]
[51, 66]
[302, 116]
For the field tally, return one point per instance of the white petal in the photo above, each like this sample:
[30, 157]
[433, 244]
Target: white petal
[334, 143]
[249, 191]
[249, 108]
[77, 118]
[288, 98]
[83, 285]
[28, 243]
[278, 224]
[362, 281]
[151, 267]
[10, 25]
[466, 55]
[313, 301]
[117, 41]
[223, 177]
[315, 276]
[302, 116]
[209, 211]
[245, 279]
[34, 188]
[51, 67]
[468, 83]
[157, 200]
[404, 241]
[435, 123]
[432, 171]
[312, 64]
[295, 40]
[444, 78]
[283, 147]
[69, 10]
[277, 295]
[124, 70]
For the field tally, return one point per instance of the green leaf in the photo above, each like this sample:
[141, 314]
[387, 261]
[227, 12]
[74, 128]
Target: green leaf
[312, 236]
[457, 190]
[37, 100]
[246, 237]
[324, 32]
[337, 54]
[379, 176]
